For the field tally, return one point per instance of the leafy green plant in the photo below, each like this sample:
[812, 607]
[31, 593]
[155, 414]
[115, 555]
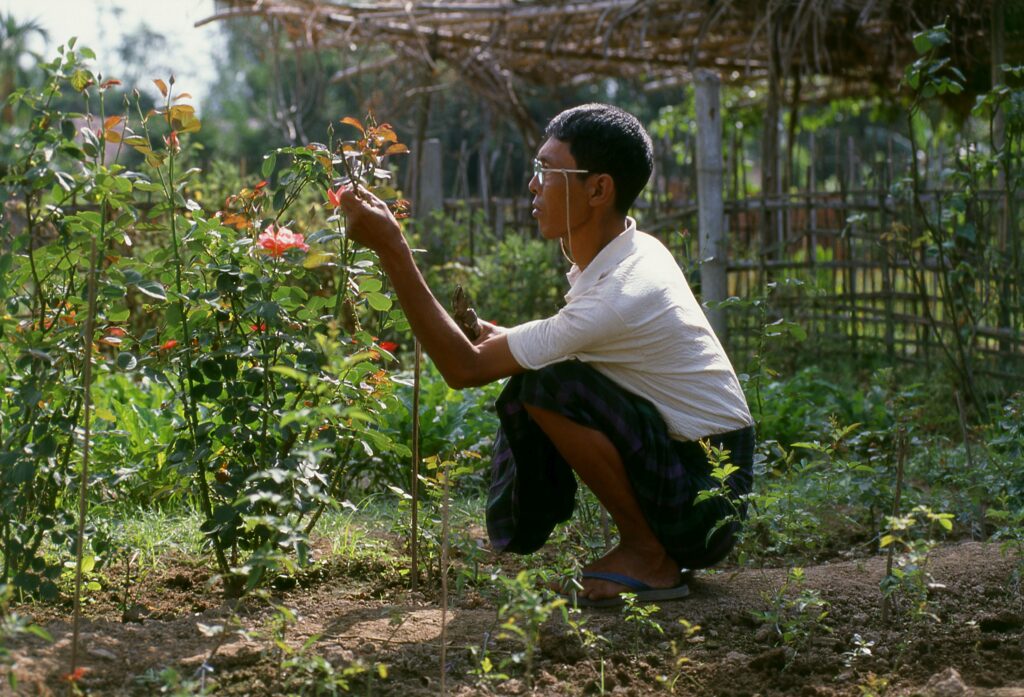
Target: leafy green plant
[642, 617]
[525, 609]
[772, 332]
[247, 334]
[957, 243]
[12, 625]
[909, 578]
[168, 681]
[795, 613]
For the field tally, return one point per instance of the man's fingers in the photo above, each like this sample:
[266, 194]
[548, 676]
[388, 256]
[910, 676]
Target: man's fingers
[355, 197]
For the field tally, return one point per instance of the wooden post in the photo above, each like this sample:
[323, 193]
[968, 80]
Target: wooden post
[1001, 213]
[431, 192]
[484, 175]
[812, 224]
[711, 212]
[888, 275]
[770, 188]
[851, 247]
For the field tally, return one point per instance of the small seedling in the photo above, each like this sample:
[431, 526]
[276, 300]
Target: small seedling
[795, 613]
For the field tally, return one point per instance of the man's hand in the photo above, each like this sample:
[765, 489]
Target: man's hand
[369, 222]
[487, 330]
[462, 363]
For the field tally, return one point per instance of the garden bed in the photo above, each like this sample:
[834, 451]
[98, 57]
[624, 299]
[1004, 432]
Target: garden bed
[388, 639]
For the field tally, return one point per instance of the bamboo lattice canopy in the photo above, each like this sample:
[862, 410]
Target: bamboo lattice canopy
[835, 47]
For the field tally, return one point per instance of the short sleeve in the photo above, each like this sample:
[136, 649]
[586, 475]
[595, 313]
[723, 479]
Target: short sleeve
[582, 325]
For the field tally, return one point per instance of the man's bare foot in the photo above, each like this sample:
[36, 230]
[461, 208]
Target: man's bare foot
[652, 567]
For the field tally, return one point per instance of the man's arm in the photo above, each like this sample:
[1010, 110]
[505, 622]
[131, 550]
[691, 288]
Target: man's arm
[461, 363]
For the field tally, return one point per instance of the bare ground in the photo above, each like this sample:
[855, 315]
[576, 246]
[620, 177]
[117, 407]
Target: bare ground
[974, 644]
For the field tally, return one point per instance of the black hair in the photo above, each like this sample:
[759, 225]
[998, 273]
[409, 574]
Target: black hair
[604, 139]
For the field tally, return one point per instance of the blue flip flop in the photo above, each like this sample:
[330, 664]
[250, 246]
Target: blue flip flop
[644, 593]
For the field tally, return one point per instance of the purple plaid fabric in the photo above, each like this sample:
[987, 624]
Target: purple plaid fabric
[533, 488]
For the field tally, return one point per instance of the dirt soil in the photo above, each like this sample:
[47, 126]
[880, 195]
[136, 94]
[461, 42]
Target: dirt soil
[974, 644]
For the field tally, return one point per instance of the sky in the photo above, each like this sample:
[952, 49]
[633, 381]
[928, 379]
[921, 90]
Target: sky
[190, 52]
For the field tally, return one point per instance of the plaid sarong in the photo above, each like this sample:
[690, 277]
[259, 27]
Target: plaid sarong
[533, 488]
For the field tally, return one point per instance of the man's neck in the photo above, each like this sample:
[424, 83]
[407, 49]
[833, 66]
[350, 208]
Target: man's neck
[587, 243]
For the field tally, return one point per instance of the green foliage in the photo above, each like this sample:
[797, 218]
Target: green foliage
[11, 626]
[773, 333]
[169, 681]
[642, 618]
[233, 368]
[526, 607]
[909, 580]
[795, 613]
[511, 280]
[960, 244]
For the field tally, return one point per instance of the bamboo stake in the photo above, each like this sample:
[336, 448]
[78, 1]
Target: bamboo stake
[90, 321]
[979, 513]
[901, 456]
[417, 369]
[444, 576]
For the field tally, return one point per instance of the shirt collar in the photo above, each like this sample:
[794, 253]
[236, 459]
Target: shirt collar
[621, 246]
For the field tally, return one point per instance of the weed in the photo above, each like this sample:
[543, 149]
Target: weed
[525, 609]
[873, 686]
[861, 649]
[168, 681]
[795, 613]
[577, 622]
[909, 579]
[681, 663]
[641, 617]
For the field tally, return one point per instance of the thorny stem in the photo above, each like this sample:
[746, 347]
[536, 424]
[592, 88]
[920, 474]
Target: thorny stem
[335, 478]
[90, 321]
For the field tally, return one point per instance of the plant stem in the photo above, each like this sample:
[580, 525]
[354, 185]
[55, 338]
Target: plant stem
[335, 477]
[90, 321]
[191, 417]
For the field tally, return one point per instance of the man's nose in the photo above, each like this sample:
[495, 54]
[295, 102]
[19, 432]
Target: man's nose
[534, 185]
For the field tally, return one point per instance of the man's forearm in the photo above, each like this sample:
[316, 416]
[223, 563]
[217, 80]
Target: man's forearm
[453, 354]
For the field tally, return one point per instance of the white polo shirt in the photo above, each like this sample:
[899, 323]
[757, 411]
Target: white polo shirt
[632, 316]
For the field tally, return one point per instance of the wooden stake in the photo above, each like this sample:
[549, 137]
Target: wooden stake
[444, 576]
[901, 456]
[979, 511]
[417, 369]
[713, 247]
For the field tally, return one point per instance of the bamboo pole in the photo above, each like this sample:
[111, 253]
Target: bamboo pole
[415, 483]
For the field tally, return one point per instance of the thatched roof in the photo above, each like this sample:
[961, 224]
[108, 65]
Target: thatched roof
[833, 46]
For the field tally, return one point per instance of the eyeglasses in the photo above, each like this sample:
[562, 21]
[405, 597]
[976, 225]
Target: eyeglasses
[539, 170]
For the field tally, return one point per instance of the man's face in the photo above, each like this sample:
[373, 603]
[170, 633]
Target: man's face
[549, 198]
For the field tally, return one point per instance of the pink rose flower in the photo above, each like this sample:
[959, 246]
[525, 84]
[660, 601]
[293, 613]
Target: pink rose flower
[277, 240]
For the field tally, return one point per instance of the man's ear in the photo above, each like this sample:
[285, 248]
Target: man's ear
[602, 191]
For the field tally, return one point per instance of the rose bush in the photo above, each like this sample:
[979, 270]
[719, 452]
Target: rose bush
[247, 320]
